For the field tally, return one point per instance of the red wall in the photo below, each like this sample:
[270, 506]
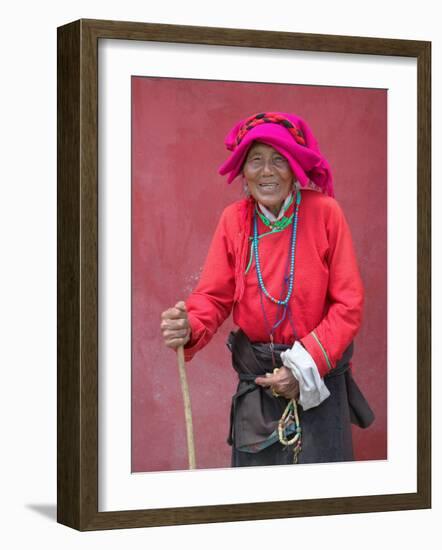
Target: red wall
[178, 130]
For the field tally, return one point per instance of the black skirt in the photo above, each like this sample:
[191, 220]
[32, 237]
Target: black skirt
[255, 412]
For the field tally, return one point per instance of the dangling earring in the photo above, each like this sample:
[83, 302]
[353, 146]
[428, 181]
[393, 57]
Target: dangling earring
[245, 187]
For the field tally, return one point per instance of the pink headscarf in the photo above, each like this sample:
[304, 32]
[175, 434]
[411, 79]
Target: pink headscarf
[291, 137]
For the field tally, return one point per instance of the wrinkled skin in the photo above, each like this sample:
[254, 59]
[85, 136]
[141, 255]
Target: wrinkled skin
[268, 176]
[282, 382]
[175, 326]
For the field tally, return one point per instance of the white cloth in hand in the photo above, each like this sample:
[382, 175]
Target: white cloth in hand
[312, 389]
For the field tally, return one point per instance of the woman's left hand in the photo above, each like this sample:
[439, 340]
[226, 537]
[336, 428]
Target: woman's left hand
[282, 382]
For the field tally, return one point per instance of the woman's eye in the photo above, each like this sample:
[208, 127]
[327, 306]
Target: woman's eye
[279, 161]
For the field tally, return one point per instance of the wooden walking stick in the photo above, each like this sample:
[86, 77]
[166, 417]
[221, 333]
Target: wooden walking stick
[187, 409]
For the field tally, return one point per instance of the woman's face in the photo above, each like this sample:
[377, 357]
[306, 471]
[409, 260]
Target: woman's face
[268, 176]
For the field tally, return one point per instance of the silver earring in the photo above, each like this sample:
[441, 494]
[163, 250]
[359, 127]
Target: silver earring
[245, 187]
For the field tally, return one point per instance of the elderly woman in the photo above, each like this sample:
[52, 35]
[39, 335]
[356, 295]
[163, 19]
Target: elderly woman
[282, 260]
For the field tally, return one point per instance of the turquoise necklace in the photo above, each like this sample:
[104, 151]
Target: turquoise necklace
[291, 276]
[288, 279]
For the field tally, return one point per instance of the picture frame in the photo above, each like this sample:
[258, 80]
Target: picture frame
[77, 277]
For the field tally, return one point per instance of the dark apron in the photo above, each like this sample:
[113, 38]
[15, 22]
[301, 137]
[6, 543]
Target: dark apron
[255, 412]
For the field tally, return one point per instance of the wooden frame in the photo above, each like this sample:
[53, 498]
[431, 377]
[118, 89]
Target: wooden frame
[77, 225]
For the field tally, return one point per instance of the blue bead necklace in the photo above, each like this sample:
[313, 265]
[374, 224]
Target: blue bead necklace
[292, 256]
[289, 279]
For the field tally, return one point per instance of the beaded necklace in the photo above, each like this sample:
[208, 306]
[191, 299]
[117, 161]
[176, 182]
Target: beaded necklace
[291, 264]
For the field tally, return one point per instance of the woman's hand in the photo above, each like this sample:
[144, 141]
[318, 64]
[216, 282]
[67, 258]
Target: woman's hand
[175, 326]
[282, 382]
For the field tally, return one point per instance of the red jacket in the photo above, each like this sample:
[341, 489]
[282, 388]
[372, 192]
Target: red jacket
[327, 299]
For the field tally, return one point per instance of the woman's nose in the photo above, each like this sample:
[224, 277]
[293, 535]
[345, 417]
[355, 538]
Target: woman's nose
[267, 167]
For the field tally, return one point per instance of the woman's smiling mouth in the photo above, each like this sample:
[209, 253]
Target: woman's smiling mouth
[268, 186]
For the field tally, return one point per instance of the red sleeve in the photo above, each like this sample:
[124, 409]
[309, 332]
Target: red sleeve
[329, 339]
[211, 302]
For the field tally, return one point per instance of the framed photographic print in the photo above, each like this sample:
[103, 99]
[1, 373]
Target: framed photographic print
[143, 113]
